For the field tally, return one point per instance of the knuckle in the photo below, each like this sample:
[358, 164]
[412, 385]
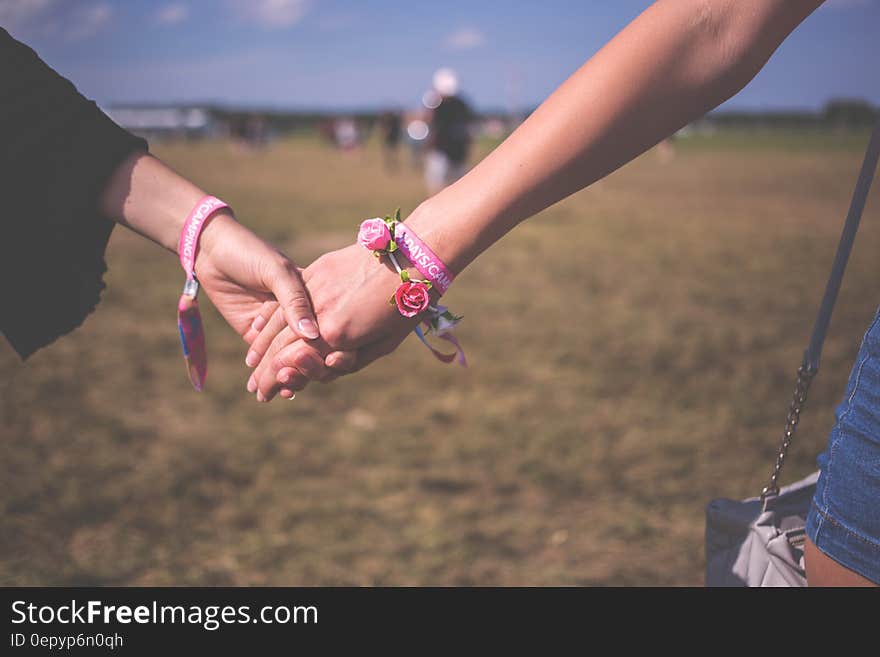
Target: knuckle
[299, 299]
[278, 267]
[333, 332]
[274, 264]
[278, 362]
[346, 361]
[282, 262]
[311, 365]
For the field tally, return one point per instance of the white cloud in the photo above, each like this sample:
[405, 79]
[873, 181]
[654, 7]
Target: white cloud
[271, 13]
[465, 38]
[87, 21]
[17, 14]
[69, 20]
[172, 14]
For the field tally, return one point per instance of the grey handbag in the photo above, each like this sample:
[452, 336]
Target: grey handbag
[760, 541]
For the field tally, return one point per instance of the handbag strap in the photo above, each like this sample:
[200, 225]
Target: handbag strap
[810, 364]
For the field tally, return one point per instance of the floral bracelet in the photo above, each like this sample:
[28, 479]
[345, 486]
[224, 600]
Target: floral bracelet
[413, 296]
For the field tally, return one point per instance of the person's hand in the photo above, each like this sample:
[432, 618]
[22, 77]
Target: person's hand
[302, 361]
[240, 272]
[243, 275]
[350, 290]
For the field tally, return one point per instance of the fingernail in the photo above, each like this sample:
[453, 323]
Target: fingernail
[285, 378]
[333, 361]
[259, 323]
[252, 359]
[252, 384]
[308, 328]
[260, 397]
[292, 397]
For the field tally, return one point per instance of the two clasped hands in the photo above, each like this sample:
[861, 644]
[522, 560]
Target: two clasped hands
[662, 71]
[301, 325]
[329, 319]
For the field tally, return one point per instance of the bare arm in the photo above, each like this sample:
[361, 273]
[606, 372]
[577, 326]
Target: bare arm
[238, 270]
[147, 196]
[673, 63]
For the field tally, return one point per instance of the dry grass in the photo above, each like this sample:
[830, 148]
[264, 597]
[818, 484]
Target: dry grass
[631, 360]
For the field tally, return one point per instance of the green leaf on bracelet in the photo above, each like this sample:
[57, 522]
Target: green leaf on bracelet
[404, 275]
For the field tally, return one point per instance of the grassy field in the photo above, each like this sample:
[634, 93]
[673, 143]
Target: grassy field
[633, 360]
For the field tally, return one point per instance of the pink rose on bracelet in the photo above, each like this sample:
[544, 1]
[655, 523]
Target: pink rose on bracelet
[412, 298]
[374, 234]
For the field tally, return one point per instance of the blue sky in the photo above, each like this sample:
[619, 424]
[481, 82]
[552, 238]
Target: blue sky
[347, 54]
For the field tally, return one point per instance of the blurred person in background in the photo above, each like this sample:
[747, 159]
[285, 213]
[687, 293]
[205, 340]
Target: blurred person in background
[346, 133]
[449, 138]
[250, 131]
[391, 131]
[417, 135]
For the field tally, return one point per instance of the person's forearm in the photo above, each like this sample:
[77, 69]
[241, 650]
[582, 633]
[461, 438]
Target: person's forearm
[676, 61]
[150, 198]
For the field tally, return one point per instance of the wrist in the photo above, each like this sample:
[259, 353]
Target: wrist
[456, 230]
[214, 235]
[434, 226]
[416, 274]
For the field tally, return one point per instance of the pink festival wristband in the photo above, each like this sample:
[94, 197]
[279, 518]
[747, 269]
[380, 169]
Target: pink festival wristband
[189, 320]
[422, 258]
[192, 229]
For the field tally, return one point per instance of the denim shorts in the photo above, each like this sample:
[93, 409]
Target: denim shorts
[844, 521]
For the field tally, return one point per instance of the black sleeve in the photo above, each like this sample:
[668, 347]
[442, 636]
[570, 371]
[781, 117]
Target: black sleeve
[57, 150]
